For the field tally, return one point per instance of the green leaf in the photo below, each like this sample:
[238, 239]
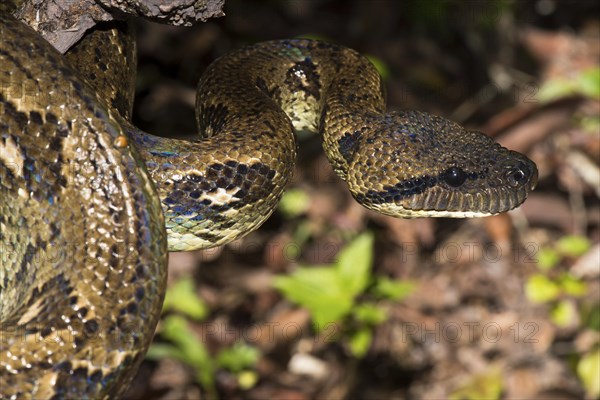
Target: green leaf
[573, 245]
[191, 349]
[158, 351]
[548, 259]
[370, 314]
[555, 89]
[247, 379]
[487, 385]
[303, 232]
[360, 342]
[588, 370]
[354, 264]
[380, 66]
[540, 289]
[328, 292]
[588, 83]
[238, 357]
[294, 202]
[176, 329]
[320, 290]
[393, 289]
[572, 285]
[182, 297]
[564, 313]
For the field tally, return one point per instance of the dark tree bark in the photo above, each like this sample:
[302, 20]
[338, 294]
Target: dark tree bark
[64, 22]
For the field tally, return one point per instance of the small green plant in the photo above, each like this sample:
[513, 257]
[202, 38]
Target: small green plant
[557, 289]
[331, 293]
[240, 360]
[183, 344]
[586, 83]
[182, 298]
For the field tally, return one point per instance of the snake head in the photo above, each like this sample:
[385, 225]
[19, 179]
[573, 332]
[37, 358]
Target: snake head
[420, 165]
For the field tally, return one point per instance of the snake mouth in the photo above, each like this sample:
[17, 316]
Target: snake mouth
[438, 202]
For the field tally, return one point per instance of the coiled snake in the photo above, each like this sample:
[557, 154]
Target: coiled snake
[83, 192]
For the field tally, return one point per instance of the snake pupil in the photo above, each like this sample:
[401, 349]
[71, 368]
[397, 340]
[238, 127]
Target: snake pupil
[454, 176]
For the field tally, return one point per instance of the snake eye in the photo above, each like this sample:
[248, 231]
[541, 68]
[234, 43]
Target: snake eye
[454, 176]
[519, 174]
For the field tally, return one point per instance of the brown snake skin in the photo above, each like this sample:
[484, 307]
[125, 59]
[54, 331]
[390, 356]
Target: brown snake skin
[83, 237]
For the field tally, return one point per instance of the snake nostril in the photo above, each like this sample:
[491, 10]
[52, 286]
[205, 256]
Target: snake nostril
[519, 174]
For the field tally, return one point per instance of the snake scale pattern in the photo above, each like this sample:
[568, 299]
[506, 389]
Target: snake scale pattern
[85, 196]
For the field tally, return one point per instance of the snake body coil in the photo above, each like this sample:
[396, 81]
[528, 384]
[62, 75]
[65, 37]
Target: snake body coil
[83, 235]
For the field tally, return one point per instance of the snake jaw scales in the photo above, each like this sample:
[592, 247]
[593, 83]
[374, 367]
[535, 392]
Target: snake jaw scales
[83, 233]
